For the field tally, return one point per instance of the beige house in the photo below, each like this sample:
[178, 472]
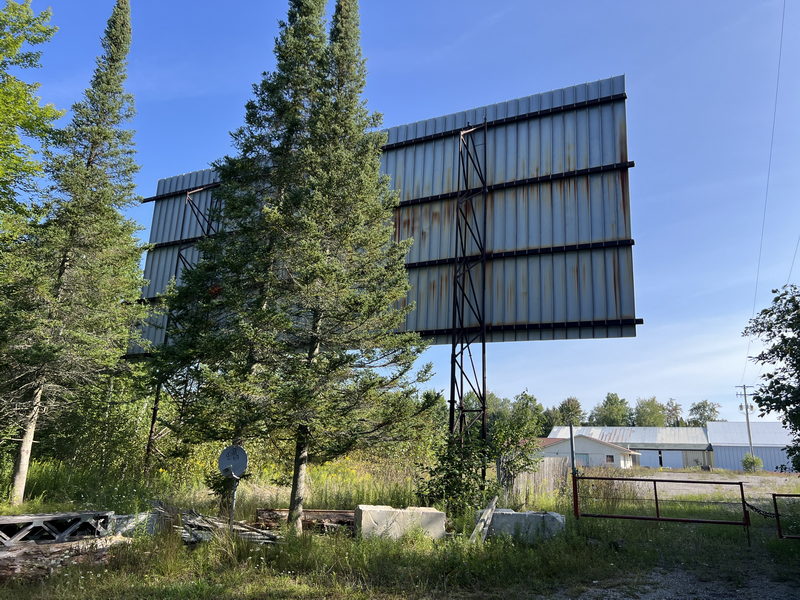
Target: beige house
[589, 452]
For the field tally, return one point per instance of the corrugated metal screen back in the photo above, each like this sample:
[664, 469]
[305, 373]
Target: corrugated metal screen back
[577, 154]
[552, 289]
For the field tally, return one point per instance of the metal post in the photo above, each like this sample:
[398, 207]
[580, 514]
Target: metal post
[655, 495]
[485, 195]
[745, 512]
[469, 328]
[575, 504]
[151, 436]
[747, 417]
[232, 505]
[777, 516]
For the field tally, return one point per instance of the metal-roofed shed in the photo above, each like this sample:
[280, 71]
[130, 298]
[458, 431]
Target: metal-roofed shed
[730, 443]
[672, 447]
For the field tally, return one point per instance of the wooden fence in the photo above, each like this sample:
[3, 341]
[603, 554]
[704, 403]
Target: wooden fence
[551, 476]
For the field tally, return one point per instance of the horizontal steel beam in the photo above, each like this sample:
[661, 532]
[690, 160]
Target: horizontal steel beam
[527, 252]
[742, 523]
[535, 114]
[523, 182]
[448, 196]
[535, 326]
[182, 192]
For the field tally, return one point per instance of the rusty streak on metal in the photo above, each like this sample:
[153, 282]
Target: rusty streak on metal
[622, 166]
[528, 252]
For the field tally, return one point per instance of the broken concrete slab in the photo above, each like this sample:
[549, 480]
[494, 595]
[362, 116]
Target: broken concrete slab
[528, 527]
[385, 521]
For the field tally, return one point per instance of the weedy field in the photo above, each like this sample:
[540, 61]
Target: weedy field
[594, 558]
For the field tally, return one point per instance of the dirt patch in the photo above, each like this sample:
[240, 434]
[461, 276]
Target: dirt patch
[755, 486]
[661, 584]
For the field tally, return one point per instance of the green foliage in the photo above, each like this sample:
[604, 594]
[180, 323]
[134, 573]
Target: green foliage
[512, 438]
[454, 482]
[590, 555]
[700, 413]
[613, 411]
[298, 342]
[778, 326]
[21, 114]
[552, 418]
[71, 278]
[752, 463]
[649, 412]
[674, 414]
[571, 412]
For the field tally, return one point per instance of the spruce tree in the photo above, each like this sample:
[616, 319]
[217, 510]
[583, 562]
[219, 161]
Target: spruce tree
[289, 323]
[72, 304]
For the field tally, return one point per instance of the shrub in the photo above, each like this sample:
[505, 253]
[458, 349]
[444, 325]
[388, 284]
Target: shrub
[752, 463]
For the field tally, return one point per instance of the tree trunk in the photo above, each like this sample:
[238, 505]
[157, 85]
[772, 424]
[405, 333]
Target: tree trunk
[151, 437]
[299, 480]
[24, 456]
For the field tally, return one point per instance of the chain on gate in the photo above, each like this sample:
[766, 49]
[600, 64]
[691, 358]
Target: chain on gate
[764, 513]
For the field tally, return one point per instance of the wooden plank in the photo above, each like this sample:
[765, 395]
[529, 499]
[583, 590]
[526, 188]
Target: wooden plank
[482, 526]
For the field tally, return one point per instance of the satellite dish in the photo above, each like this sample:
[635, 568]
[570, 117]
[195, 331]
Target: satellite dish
[233, 462]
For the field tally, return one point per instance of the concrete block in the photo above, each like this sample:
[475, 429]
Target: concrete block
[385, 521]
[529, 527]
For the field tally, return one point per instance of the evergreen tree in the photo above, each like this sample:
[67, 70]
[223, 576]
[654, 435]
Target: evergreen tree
[552, 417]
[287, 327]
[68, 310]
[20, 111]
[571, 411]
[613, 411]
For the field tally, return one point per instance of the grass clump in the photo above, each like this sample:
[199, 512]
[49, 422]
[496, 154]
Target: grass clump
[340, 566]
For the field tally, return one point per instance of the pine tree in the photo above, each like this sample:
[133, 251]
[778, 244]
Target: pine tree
[71, 305]
[290, 320]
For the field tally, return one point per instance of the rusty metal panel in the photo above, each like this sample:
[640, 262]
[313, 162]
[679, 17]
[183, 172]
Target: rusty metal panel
[558, 238]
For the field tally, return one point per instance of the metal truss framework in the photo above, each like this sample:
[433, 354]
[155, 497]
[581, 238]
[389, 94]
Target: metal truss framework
[468, 356]
[207, 227]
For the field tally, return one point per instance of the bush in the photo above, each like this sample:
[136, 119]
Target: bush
[751, 463]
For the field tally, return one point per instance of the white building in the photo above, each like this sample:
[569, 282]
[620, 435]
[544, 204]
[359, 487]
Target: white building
[589, 452]
[668, 447]
[730, 443]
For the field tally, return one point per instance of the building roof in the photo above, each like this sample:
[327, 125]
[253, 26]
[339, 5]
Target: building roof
[620, 449]
[765, 433]
[642, 438]
[545, 442]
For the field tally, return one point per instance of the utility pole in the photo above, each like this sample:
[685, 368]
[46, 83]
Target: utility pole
[746, 415]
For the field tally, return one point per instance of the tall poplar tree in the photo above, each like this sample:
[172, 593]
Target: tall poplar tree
[72, 303]
[21, 114]
[289, 323]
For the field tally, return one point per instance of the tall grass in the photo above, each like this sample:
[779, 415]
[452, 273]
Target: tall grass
[339, 566]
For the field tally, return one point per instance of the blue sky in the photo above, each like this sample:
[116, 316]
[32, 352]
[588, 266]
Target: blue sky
[700, 82]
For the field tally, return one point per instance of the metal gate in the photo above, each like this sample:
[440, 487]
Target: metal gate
[645, 485]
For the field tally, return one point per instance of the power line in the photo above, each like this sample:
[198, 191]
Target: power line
[794, 256]
[769, 174]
